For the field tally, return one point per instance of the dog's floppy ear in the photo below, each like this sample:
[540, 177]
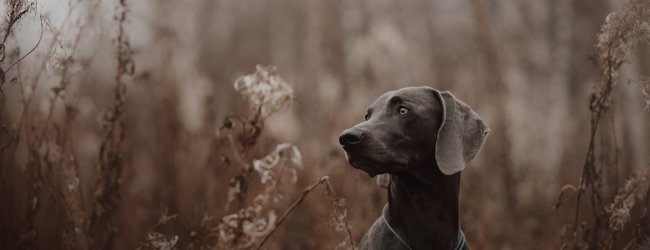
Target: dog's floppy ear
[461, 134]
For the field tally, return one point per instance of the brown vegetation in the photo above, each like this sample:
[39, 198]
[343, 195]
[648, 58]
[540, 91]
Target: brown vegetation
[128, 124]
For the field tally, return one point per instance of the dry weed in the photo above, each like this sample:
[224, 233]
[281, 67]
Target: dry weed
[244, 227]
[338, 216]
[44, 149]
[158, 241]
[111, 162]
[618, 35]
[15, 11]
[625, 199]
[266, 93]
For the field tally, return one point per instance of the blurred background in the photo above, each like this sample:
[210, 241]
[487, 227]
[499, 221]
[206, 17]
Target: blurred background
[527, 67]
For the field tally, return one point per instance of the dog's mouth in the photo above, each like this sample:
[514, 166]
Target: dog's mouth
[370, 167]
[373, 166]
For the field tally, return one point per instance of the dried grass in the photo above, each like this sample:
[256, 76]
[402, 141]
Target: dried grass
[617, 37]
[111, 162]
[74, 179]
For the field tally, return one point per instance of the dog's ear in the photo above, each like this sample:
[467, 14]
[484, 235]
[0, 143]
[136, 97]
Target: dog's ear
[460, 136]
[383, 180]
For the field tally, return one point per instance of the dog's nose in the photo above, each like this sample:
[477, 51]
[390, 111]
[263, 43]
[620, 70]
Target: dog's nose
[350, 137]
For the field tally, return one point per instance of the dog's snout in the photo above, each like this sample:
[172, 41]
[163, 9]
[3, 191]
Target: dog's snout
[351, 137]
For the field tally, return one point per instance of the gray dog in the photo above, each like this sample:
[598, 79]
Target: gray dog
[417, 139]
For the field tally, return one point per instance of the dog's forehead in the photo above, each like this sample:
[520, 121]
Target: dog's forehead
[417, 95]
[414, 94]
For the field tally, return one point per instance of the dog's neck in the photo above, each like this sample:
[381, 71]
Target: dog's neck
[423, 207]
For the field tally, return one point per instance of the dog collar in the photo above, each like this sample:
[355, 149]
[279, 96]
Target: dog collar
[462, 241]
[395, 233]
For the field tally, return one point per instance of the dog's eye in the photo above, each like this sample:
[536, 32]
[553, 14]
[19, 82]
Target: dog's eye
[403, 111]
[366, 117]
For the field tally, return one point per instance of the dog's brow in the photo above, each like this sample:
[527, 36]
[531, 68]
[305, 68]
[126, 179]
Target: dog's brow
[395, 99]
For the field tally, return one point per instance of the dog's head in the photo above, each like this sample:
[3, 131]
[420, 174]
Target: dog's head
[412, 127]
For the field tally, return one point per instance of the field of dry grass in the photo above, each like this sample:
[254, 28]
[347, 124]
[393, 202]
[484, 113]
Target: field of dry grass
[201, 124]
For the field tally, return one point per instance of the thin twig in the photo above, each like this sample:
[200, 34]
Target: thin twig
[588, 167]
[562, 191]
[332, 194]
[40, 38]
[304, 194]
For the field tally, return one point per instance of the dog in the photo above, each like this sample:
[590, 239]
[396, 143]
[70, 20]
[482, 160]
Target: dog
[417, 139]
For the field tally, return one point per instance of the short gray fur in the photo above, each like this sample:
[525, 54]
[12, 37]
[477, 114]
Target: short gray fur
[417, 140]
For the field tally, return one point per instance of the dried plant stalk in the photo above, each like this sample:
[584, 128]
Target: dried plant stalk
[329, 190]
[74, 205]
[339, 215]
[107, 190]
[266, 93]
[618, 34]
[293, 206]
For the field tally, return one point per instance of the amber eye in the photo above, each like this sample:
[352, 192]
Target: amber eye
[403, 111]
